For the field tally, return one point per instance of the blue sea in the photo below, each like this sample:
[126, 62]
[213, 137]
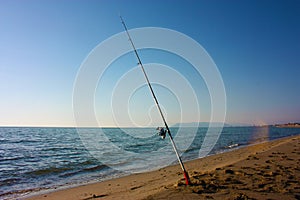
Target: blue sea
[38, 159]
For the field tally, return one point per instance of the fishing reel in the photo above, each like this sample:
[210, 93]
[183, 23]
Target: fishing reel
[161, 132]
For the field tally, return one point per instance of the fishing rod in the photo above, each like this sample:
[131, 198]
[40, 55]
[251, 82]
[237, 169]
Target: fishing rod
[186, 175]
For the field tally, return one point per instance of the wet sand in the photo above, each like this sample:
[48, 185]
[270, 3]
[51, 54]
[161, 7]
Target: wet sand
[269, 170]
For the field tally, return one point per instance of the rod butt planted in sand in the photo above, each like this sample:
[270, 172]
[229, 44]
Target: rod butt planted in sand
[187, 178]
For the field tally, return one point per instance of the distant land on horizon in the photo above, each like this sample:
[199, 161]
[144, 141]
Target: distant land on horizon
[220, 124]
[212, 124]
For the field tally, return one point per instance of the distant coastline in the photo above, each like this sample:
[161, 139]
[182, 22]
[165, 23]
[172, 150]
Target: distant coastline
[210, 124]
[288, 125]
[220, 124]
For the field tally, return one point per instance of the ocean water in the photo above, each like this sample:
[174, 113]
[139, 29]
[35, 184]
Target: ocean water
[34, 159]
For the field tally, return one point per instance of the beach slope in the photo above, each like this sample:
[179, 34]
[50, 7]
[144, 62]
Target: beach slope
[269, 170]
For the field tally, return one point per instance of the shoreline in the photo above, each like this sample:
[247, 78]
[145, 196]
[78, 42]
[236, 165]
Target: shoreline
[158, 184]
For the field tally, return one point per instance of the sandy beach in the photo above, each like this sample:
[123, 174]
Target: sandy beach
[269, 170]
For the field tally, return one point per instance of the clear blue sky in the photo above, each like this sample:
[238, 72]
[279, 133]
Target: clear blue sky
[255, 44]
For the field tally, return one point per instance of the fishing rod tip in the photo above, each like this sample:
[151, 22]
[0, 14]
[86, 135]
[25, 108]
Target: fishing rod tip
[120, 16]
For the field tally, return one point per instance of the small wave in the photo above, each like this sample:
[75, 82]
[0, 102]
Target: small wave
[57, 149]
[48, 171]
[95, 168]
[192, 149]
[9, 181]
[141, 148]
[11, 158]
[88, 162]
[84, 170]
[4, 140]
[231, 146]
[68, 174]
[22, 141]
[68, 169]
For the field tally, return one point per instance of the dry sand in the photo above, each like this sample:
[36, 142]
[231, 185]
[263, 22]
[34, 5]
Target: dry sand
[269, 170]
